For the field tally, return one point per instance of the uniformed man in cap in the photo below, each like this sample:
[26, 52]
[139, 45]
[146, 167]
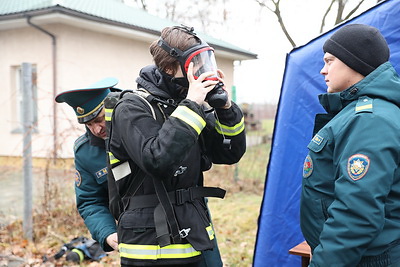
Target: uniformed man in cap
[91, 188]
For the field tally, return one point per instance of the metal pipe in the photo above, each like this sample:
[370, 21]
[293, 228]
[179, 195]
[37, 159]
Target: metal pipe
[27, 122]
[54, 59]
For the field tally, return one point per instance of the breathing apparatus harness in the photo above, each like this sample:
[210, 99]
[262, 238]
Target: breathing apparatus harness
[168, 229]
[202, 56]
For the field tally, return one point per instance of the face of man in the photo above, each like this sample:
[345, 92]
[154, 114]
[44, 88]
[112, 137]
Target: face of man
[338, 76]
[98, 125]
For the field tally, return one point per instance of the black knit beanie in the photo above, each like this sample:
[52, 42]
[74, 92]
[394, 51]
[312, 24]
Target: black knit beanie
[361, 47]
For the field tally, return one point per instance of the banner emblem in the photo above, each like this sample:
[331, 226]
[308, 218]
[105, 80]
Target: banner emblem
[307, 167]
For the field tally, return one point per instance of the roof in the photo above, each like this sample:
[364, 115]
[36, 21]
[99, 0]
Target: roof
[109, 12]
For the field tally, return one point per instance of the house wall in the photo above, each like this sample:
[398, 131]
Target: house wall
[83, 57]
[18, 46]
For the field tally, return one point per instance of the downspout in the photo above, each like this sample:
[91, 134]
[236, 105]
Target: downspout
[54, 50]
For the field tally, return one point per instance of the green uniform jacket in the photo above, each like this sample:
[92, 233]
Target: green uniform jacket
[350, 202]
[91, 187]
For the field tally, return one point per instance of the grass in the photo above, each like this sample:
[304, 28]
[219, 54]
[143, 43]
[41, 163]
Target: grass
[56, 220]
[235, 220]
[235, 217]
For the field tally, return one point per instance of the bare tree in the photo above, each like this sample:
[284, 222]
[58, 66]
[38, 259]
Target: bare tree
[276, 10]
[340, 16]
[200, 14]
[141, 3]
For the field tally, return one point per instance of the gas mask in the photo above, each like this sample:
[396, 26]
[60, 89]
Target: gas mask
[203, 58]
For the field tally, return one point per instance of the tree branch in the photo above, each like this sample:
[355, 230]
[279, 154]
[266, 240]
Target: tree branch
[262, 4]
[354, 10]
[277, 12]
[339, 14]
[325, 15]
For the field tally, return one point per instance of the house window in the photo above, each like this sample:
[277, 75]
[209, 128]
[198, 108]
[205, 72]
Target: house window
[16, 96]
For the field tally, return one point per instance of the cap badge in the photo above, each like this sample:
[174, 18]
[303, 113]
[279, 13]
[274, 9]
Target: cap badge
[80, 110]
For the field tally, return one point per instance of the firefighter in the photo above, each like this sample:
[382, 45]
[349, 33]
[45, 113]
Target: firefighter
[90, 161]
[162, 138]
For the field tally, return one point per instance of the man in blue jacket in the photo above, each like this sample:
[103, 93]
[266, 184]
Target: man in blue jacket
[350, 203]
[90, 161]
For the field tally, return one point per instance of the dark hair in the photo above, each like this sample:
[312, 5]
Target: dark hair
[177, 38]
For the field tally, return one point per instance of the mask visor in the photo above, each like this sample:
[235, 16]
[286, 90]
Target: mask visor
[203, 61]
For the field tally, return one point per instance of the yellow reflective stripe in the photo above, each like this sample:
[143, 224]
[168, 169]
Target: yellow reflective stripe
[190, 117]
[80, 254]
[210, 232]
[112, 159]
[108, 113]
[154, 252]
[369, 106]
[230, 130]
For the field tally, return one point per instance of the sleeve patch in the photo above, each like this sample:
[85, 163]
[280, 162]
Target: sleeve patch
[78, 178]
[357, 166]
[308, 167]
[101, 173]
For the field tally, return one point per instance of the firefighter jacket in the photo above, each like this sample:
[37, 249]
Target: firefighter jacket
[350, 202]
[175, 150]
[91, 187]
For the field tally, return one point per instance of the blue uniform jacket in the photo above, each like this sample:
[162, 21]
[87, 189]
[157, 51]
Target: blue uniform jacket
[350, 203]
[91, 187]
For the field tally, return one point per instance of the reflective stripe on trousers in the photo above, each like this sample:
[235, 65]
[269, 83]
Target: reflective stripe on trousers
[154, 252]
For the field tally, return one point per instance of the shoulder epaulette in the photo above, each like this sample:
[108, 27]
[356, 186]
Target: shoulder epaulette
[80, 141]
[364, 104]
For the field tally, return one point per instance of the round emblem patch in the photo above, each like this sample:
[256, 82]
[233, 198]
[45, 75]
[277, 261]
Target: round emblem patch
[78, 178]
[307, 167]
[357, 166]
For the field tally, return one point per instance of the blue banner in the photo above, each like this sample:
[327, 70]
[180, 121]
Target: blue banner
[279, 226]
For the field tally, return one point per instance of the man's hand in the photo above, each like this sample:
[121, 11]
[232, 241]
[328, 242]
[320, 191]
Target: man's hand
[112, 241]
[199, 88]
[221, 77]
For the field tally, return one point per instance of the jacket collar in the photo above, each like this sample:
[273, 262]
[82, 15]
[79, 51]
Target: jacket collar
[95, 141]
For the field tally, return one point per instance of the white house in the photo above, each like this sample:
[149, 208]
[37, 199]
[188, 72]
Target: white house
[71, 44]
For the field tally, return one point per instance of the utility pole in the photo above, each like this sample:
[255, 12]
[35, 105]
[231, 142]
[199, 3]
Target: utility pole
[27, 123]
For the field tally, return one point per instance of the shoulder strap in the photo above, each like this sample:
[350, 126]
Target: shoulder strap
[164, 214]
[80, 141]
[364, 104]
[144, 95]
[155, 102]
